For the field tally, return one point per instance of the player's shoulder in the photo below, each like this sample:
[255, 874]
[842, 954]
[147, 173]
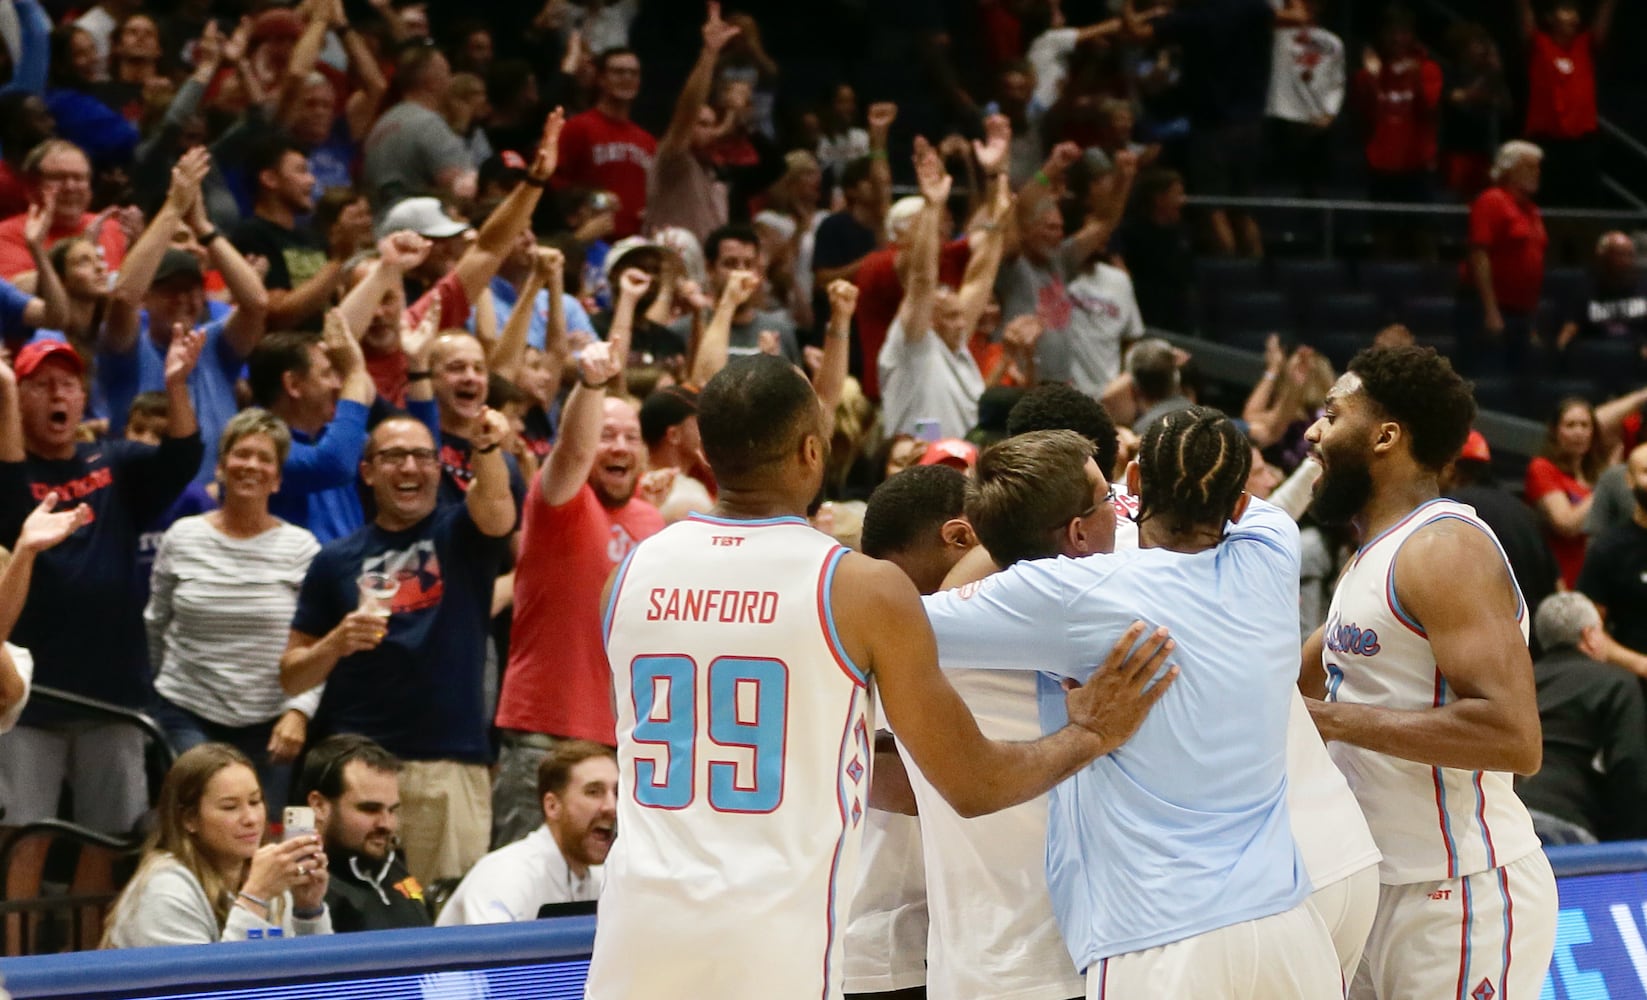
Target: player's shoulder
[1446, 556]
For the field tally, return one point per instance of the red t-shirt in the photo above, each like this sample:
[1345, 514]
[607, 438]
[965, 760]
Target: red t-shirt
[598, 151]
[14, 252]
[14, 194]
[1400, 109]
[558, 681]
[389, 370]
[1544, 478]
[1510, 229]
[879, 295]
[1561, 87]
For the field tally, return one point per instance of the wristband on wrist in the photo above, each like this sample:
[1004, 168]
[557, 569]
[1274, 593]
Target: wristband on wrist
[1042, 178]
[418, 376]
[314, 914]
[877, 154]
[593, 385]
[248, 897]
[531, 181]
[488, 449]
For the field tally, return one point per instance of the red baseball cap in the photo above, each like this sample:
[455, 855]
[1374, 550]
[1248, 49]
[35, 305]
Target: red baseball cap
[962, 455]
[1475, 449]
[30, 358]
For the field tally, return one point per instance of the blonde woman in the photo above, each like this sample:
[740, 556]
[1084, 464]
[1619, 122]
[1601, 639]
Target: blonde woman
[206, 875]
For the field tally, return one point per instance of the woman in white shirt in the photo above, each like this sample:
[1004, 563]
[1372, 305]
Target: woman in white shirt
[221, 601]
[206, 875]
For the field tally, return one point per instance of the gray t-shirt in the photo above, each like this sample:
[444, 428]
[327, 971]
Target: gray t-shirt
[746, 337]
[406, 151]
[1029, 288]
[1611, 504]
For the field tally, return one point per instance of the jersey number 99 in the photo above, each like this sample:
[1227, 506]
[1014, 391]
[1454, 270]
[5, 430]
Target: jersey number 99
[747, 707]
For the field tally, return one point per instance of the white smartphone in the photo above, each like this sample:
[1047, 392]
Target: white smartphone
[299, 821]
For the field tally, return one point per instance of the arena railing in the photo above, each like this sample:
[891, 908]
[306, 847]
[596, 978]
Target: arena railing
[1603, 890]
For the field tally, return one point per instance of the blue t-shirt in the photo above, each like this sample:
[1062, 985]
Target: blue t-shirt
[13, 301]
[1185, 829]
[83, 620]
[318, 482]
[506, 295]
[419, 692]
[211, 385]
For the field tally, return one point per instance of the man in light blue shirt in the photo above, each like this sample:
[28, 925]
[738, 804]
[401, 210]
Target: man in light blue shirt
[1171, 861]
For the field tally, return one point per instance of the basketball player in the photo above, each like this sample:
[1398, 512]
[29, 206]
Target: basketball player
[742, 645]
[998, 860]
[1429, 702]
[1171, 864]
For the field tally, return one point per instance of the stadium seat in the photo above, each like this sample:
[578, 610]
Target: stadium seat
[1395, 280]
[1218, 278]
[1547, 392]
[1359, 313]
[1339, 348]
[1613, 365]
[1310, 279]
[1244, 312]
[1501, 393]
[1426, 315]
[1564, 286]
[1445, 345]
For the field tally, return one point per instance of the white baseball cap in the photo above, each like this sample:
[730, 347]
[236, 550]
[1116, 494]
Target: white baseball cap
[424, 216]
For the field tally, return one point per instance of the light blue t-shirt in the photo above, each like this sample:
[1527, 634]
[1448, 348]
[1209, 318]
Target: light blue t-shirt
[504, 298]
[211, 386]
[1183, 830]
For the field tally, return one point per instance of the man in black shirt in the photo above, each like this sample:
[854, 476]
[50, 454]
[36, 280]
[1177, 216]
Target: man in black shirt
[304, 273]
[1593, 785]
[1615, 305]
[353, 785]
[83, 620]
[1156, 246]
[1615, 575]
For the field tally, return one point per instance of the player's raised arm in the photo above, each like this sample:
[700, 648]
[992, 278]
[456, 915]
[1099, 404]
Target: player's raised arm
[885, 630]
[1452, 581]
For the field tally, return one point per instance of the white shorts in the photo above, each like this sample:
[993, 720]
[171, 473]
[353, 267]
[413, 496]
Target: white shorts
[1288, 956]
[1347, 907]
[1486, 936]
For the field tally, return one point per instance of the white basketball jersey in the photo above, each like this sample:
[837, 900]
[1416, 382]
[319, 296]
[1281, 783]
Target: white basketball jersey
[993, 934]
[1430, 823]
[1332, 834]
[743, 752]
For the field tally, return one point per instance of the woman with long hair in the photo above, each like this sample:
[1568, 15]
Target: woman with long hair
[1560, 481]
[206, 874]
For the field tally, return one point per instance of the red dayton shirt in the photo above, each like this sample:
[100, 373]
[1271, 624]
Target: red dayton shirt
[1561, 87]
[600, 152]
[1400, 107]
[1509, 228]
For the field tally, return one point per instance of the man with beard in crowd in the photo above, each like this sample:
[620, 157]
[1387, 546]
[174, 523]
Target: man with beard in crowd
[1429, 700]
[560, 861]
[353, 785]
[581, 519]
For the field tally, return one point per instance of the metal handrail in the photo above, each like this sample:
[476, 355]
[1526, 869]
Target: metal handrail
[68, 699]
[1405, 207]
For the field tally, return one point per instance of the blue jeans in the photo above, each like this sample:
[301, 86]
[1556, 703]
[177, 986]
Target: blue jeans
[187, 730]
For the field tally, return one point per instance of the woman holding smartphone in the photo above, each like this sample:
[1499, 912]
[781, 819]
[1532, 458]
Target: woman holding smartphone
[206, 874]
[221, 601]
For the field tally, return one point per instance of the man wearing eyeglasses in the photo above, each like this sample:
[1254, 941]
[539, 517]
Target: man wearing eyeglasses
[411, 680]
[58, 173]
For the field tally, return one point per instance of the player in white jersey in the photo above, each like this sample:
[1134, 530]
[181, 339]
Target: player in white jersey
[1429, 701]
[742, 645]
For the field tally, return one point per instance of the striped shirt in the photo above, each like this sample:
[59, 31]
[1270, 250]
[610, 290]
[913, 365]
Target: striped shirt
[219, 612]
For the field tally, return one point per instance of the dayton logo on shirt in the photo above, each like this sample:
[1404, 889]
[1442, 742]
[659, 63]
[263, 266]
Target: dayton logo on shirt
[417, 569]
[1351, 639]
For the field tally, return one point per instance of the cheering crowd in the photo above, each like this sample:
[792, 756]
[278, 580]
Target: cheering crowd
[349, 352]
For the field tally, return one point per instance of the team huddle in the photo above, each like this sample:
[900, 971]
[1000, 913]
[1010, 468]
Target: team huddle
[1129, 779]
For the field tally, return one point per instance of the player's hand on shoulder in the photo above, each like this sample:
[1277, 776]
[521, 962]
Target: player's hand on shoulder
[1115, 700]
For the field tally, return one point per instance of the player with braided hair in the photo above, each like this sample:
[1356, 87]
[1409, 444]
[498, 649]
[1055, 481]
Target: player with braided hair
[1171, 861]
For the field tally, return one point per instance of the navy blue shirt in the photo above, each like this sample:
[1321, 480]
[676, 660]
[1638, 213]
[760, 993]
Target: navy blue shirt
[1227, 46]
[84, 617]
[419, 692]
[457, 472]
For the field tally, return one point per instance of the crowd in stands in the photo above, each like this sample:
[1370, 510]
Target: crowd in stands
[350, 347]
